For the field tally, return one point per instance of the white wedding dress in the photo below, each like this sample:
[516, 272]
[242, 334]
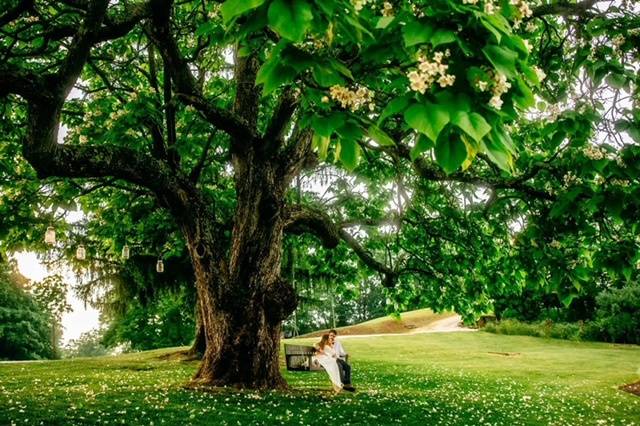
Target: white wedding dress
[330, 364]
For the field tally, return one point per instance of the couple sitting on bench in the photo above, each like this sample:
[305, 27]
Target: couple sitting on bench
[331, 355]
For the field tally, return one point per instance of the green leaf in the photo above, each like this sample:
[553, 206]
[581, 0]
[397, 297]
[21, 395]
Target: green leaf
[472, 124]
[322, 144]
[427, 118]
[296, 58]
[274, 74]
[442, 37]
[582, 273]
[290, 18]
[384, 22]
[530, 74]
[350, 130]
[616, 80]
[37, 43]
[450, 153]
[395, 106]
[498, 151]
[453, 102]
[380, 136]
[423, 144]
[503, 59]
[326, 76]
[325, 126]
[349, 153]
[524, 96]
[416, 33]
[498, 21]
[491, 29]
[205, 28]
[566, 300]
[341, 68]
[233, 8]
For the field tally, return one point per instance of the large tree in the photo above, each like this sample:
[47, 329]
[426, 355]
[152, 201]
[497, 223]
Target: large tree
[186, 100]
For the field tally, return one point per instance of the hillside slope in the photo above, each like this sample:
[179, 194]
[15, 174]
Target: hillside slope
[420, 320]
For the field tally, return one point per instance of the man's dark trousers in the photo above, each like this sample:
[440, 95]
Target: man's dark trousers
[345, 371]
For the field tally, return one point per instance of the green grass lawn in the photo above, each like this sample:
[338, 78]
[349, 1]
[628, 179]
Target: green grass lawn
[443, 378]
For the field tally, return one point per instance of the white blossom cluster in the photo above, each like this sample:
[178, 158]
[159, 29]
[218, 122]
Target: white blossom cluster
[539, 73]
[352, 99]
[387, 9]
[555, 244]
[417, 10]
[618, 41]
[594, 153]
[524, 11]
[620, 182]
[430, 71]
[358, 5]
[500, 87]
[570, 179]
[490, 6]
[116, 115]
[554, 112]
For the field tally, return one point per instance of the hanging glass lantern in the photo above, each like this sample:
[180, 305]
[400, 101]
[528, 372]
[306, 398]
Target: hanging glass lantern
[50, 236]
[125, 252]
[81, 253]
[160, 266]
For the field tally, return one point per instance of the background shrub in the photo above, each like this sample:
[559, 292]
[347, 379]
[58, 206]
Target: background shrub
[618, 315]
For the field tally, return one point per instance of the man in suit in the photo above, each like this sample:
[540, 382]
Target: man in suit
[345, 368]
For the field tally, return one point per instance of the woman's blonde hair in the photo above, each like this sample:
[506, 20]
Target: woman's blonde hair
[323, 341]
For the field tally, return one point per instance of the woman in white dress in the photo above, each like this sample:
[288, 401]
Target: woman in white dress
[327, 357]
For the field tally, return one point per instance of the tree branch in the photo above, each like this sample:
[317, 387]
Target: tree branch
[301, 219]
[80, 47]
[564, 8]
[194, 176]
[186, 87]
[14, 80]
[431, 171]
[287, 105]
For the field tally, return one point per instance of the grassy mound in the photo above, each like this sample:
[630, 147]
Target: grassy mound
[407, 323]
[448, 379]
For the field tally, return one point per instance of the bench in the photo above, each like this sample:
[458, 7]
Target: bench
[300, 358]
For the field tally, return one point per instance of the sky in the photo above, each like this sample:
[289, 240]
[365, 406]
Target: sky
[74, 323]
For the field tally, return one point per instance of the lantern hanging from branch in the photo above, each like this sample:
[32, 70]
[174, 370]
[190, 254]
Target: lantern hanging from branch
[125, 252]
[160, 266]
[81, 253]
[50, 236]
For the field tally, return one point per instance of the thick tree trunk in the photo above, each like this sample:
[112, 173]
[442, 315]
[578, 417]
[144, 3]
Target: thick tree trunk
[244, 299]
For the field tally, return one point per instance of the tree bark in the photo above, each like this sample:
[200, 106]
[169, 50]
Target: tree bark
[242, 313]
[197, 349]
